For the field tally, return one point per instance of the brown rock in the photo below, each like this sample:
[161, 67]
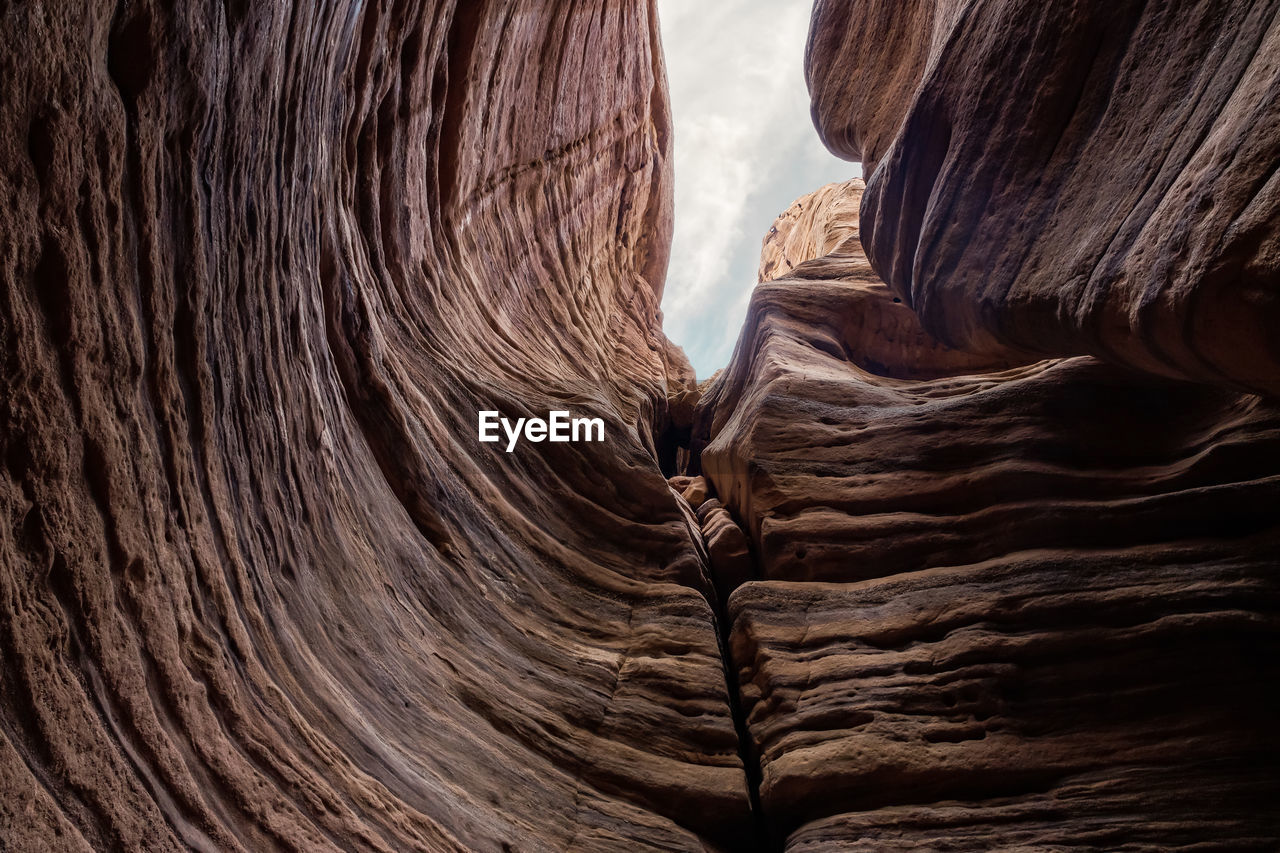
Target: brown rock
[1000, 682]
[1221, 811]
[728, 552]
[1065, 179]
[261, 587]
[815, 225]
[1002, 603]
[696, 491]
[679, 483]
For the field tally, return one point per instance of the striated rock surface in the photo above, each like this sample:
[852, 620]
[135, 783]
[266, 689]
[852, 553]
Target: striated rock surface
[260, 586]
[263, 588]
[1002, 605]
[1069, 178]
[814, 226]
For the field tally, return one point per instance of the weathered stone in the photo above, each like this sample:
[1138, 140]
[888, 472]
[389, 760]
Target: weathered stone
[695, 492]
[815, 226]
[260, 586]
[996, 597]
[1069, 178]
[728, 551]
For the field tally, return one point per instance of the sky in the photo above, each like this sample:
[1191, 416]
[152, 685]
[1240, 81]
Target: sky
[745, 149]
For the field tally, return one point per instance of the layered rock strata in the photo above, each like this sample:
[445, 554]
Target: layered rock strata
[1001, 604]
[1069, 178]
[260, 586]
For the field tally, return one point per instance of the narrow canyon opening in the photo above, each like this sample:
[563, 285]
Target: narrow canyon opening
[971, 545]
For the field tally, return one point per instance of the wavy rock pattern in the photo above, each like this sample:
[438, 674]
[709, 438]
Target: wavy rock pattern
[814, 226]
[1073, 178]
[262, 588]
[1001, 605]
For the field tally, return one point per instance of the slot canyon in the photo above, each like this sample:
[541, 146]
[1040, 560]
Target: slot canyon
[973, 545]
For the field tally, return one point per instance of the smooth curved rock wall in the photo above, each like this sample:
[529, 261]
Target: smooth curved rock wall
[1068, 178]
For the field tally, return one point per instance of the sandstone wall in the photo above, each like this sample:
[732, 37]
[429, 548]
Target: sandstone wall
[962, 561]
[993, 603]
[1069, 178]
[260, 587]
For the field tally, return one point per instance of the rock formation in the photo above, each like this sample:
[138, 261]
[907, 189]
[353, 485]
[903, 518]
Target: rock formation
[1069, 178]
[999, 604]
[262, 587]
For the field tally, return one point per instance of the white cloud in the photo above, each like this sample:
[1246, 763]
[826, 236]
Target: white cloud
[745, 148]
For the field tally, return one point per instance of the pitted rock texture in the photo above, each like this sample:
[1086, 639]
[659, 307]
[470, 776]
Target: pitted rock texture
[260, 586]
[1069, 178]
[1001, 605]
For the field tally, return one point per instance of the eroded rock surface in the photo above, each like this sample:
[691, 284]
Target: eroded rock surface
[1069, 178]
[260, 586]
[814, 226]
[1002, 604]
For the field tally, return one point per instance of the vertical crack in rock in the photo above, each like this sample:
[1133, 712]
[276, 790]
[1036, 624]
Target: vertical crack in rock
[262, 265]
[262, 587]
[729, 563]
[998, 601]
